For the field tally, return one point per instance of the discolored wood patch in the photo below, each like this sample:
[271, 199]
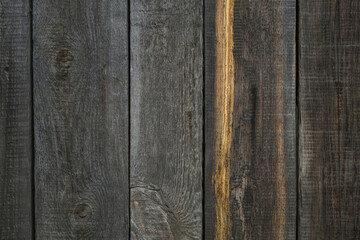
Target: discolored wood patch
[250, 122]
[224, 101]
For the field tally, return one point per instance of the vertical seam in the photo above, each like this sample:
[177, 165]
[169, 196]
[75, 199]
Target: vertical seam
[129, 113]
[203, 123]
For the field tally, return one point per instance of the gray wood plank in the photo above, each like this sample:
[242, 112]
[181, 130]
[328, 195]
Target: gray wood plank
[81, 119]
[15, 121]
[250, 119]
[329, 96]
[166, 119]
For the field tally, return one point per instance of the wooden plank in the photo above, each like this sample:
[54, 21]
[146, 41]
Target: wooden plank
[81, 119]
[329, 94]
[250, 121]
[15, 120]
[166, 119]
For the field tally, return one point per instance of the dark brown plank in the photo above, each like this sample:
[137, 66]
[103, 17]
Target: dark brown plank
[329, 94]
[250, 122]
[81, 119]
[15, 121]
[166, 119]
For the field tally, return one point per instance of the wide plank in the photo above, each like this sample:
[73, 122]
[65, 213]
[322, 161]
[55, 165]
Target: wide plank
[166, 119]
[250, 119]
[15, 121]
[329, 130]
[81, 119]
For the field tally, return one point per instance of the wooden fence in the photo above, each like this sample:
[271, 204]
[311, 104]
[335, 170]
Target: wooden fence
[179, 119]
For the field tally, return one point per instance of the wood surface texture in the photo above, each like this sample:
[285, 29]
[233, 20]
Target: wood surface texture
[329, 97]
[15, 121]
[166, 119]
[179, 119]
[81, 119]
[250, 121]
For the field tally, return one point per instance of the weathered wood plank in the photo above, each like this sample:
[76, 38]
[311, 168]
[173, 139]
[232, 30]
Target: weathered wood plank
[15, 120]
[250, 122]
[329, 96]
[81, 119]
[166, 119]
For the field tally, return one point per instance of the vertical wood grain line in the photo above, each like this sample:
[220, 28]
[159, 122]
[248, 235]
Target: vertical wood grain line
[224, 101]
[33, 216]
[280, 216]
[297, 113]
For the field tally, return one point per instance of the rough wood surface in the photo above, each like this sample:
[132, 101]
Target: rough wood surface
[250, 123]
[329, 95]
[166, 119]
[81, 119]
[15, 121]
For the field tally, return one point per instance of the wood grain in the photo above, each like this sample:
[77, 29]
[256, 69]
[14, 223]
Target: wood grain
[250, 122]
[15, 121]
[81, 119]
[166, 119]
[329, 97]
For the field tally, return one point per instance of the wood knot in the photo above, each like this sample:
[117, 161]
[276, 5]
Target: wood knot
[64, 58]
[83, 210]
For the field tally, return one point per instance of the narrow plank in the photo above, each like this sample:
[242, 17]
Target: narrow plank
[166, 119]
[15, 120]
[81, 119]
[329, 95]
[250, 121]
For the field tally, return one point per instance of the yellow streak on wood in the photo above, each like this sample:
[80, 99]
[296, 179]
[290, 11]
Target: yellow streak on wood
[224, 101]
